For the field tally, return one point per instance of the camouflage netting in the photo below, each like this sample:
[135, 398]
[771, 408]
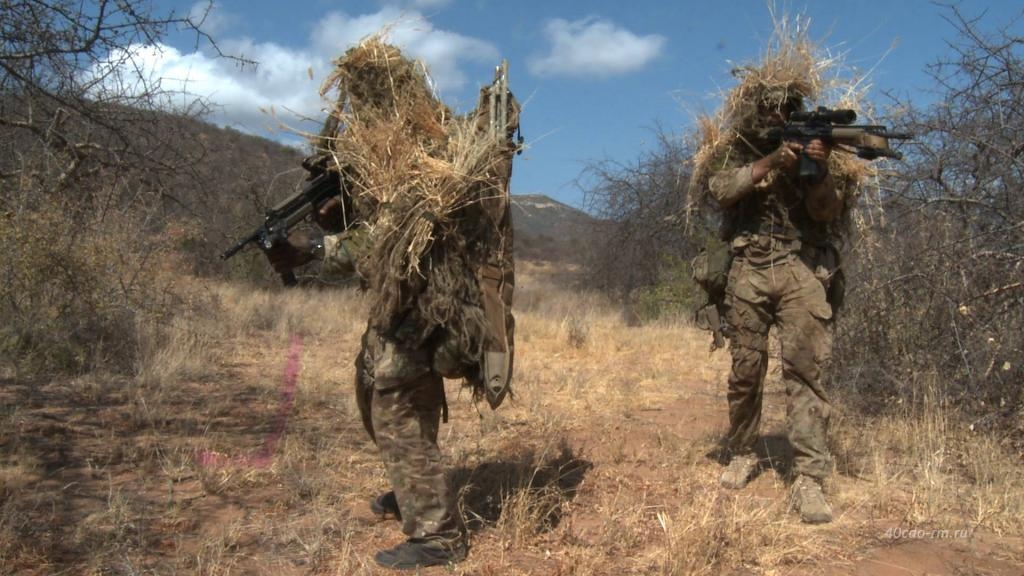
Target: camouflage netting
[793, 70]
[417, 174]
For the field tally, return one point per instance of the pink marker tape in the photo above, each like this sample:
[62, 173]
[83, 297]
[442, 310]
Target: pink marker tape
[263, 457]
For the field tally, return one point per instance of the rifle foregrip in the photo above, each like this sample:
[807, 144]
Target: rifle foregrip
[809, 171]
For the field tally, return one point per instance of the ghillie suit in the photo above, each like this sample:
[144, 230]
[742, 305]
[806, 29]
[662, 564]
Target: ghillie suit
[792, 74]
[431, 189]
[430, 192]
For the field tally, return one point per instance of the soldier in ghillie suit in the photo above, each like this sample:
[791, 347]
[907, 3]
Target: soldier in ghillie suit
[781, 229]
[426, 224]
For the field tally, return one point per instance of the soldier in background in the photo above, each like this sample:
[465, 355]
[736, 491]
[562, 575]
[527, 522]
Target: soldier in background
[779, 229]
[786, 207]
[399, 372]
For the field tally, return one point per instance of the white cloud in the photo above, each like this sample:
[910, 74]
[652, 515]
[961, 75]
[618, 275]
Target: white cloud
[236, 93]
[593, 47]
[282, 78]
[209, 17]
[417, 4]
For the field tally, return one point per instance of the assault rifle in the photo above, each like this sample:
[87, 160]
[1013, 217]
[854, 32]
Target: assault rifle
[835, 128]
[289, 212]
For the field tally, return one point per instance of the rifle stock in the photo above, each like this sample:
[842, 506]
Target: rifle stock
[498, 96]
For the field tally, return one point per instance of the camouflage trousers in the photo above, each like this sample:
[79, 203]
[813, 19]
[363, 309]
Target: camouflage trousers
[400, 400]
[789, 296]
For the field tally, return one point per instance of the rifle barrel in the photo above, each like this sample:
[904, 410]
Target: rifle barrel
[241, 244]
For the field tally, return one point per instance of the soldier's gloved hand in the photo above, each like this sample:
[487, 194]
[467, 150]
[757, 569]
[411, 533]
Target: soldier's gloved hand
[300, 248]
[331, 216]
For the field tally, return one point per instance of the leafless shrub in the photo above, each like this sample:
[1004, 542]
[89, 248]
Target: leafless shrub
[642, 241]
[93, 171]
[939, 279]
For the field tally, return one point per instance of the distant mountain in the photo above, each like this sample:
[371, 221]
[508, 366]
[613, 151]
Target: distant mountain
[546, 229]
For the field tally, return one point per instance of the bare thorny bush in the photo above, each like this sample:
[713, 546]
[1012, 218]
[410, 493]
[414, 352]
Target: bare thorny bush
[938, 281]
[101, 182]
[642, 239]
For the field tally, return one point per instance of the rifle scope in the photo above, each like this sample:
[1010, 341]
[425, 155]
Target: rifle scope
[824, 116]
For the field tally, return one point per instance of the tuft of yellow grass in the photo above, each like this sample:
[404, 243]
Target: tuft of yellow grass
[924, 466]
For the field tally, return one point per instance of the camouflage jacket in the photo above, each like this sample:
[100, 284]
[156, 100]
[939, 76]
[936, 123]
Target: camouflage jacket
[772, 219]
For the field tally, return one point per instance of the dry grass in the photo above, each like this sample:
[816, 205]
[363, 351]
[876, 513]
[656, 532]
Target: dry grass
[604, 462]
[927, 468]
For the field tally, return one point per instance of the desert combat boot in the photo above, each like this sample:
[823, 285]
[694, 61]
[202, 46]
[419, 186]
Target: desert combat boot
[809, 500]
[739, 471]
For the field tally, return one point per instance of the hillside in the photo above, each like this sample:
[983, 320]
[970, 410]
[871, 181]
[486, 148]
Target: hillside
[232, 177]
[216, 183]
[547, 229]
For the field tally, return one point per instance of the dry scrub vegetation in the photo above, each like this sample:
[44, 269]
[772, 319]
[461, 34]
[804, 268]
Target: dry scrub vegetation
[605, 462]
[146, 424]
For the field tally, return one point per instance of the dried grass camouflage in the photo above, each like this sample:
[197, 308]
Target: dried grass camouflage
[793, 70]
[417, 173]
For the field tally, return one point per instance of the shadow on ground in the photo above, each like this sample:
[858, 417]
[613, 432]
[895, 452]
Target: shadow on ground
[774, 451]
[77, 459]
[529, 484]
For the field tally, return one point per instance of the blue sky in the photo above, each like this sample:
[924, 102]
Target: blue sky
[595, 77]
